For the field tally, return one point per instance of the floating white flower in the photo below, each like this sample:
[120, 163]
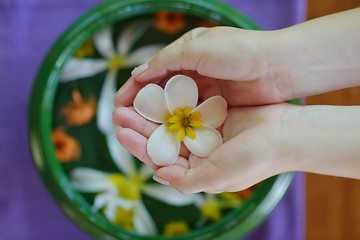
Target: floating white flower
[113, 60]
[122, 194]
[123, 57]
[175, 108]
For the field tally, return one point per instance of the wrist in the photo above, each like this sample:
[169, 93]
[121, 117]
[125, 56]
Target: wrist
[318, 56]
[278, 69]
[322, 139]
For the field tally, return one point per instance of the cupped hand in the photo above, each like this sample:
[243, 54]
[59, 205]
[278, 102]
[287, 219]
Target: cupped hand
[234, 63]
[252, 150]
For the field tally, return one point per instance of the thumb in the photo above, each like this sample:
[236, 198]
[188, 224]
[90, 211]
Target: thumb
[203, 177]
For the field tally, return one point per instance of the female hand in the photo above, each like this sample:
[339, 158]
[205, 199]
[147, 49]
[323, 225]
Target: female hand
[224, 61]
[249, 67]
[252, 151]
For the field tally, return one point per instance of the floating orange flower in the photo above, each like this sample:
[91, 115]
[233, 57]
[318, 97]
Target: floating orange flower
[246, 193]
[79, 111]
[207, 23]
[170, 22]
[67, 148]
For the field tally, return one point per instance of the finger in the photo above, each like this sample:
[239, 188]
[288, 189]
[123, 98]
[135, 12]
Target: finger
[192, 34]
[135, 143]
[194, 161]
[127, 118]
[202, 178]
[127, 93]
[182, 162]
[173, 58]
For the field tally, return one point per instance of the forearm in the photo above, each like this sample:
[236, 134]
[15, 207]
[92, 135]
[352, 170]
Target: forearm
[323, 139]
[317, 56]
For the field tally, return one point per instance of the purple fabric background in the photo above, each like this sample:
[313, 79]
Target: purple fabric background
[27, 30]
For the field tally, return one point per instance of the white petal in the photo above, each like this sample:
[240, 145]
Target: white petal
[163, 146]
[150, 103]
[121, 157]
[206, 141]
[110, 202]
[100, 201]
[181, 91]
[124, 203]
[105, 103]
[110, 210]
[130, 35]
[170, 195]
[103, 42]
[143, 222]
[90, 180]
[77, 68]
[142, 55]
[213, 111]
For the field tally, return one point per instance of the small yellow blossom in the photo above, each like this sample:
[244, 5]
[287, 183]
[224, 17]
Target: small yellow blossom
[212, 210]
[176, 228]
[86, 50]
[230, 199]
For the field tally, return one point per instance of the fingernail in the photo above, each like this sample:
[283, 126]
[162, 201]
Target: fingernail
[140, 69]
[161, 180]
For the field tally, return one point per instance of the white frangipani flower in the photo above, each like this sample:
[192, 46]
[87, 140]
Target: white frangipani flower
[115, 57]
[175, 108]
[124, 191]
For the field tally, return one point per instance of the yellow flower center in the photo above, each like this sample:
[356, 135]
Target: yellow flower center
[129, 188]
[124, 218]
[116, 62]
[184, 121]
[176, 228]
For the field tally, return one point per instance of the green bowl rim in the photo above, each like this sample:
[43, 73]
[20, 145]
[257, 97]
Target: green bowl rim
[40, 121]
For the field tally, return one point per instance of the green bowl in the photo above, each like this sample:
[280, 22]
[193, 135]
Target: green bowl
[49, 96]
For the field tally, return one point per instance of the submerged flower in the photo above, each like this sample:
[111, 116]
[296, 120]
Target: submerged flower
[79, 111]
[120, 195]
[170, 22]
[122, 55]
[212, 210]
[176, 228]
[207, 23]
[213, 206]
[86, 50]
[247, 192]
[175, 108]
[125, 218]
[67, 148]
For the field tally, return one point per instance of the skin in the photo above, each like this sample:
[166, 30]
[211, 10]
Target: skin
[256, 72]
